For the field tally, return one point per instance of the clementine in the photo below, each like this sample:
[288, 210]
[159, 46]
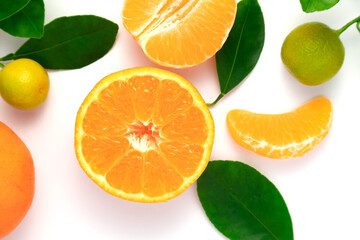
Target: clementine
[144, 134]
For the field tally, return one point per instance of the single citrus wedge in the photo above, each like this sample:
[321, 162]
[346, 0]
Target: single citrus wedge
[179, 33]
[144, 134]
[286, 135]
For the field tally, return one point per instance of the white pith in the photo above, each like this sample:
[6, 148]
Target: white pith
[165, 18]
[146, 141]
[158, 25]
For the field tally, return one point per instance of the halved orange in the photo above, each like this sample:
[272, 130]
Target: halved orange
[179, 33]
[144, 134]
[286, 135]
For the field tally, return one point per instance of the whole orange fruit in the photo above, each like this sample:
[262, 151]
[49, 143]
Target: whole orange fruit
[17, 180]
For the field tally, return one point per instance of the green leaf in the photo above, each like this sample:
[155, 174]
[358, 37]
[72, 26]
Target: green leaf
[28, 22]
[309, 6]
[10, 7]
[242, 203]
[70, 42]
[8, 57]
[241, 51]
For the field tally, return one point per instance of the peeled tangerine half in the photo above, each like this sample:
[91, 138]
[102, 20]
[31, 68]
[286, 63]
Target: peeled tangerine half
[179, 33]
[286, 135]
[144, 134]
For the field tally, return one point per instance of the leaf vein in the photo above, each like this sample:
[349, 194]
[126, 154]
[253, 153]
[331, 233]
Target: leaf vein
[252, 214]
[60, 43]
[236, 53]
[31, 22]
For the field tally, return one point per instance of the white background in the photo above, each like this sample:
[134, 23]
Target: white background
[321, 189]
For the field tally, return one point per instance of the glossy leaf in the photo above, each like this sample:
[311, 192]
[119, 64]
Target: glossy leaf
[241, 51]
[28, 22]
[10, 7]
[242, 203]
[309, 6]
[70, 42]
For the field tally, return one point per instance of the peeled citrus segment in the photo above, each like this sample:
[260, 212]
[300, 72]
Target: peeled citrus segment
[144, 134]
[286, 135]
[179, 33]
[135, 15]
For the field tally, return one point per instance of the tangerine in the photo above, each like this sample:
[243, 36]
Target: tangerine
[144, 134]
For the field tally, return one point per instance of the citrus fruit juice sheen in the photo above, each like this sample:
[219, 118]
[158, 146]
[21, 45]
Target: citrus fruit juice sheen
[144, 134]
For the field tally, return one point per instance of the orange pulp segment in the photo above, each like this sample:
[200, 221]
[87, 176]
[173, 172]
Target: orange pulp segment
[179, 33]
[144, 134]
[286, 135]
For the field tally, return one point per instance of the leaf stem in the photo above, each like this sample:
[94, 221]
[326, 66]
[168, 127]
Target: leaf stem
[2, 65]
[217, 99]
[8, 57]
[341, 30]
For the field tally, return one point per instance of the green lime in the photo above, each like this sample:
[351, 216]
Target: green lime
[24, 83]
[313, 53]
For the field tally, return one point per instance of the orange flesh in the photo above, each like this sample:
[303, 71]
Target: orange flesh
[285, 135]
[144, 135]
[179, 33]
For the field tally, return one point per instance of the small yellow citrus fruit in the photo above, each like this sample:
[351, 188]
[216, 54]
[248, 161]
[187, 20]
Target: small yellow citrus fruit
[24, 83]
[313, 53]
